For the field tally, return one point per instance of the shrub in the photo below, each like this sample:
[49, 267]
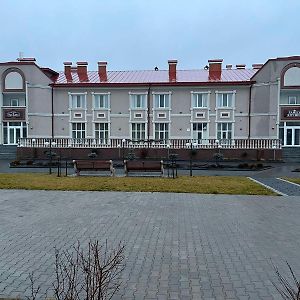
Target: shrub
[15, 163]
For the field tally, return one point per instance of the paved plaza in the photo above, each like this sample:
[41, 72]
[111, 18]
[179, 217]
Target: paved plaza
[178, 246]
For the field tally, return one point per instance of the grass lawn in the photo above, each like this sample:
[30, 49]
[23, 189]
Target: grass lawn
[182, 184]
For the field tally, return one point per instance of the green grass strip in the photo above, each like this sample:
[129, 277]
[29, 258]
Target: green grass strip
[183, 184]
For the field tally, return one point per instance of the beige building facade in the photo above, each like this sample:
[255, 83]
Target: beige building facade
[226, 104]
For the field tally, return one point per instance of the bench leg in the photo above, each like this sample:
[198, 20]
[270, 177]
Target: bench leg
[112, 172]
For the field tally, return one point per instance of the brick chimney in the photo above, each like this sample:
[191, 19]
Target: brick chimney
[172, 70]
[215, 69]
[102, 70]
[82, 70]
[68, 66]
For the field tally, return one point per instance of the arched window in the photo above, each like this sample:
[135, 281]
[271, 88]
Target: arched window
[13, 80]
[290, 77]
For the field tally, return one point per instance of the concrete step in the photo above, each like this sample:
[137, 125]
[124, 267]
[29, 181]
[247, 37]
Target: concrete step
[291, 154]
[8, 152]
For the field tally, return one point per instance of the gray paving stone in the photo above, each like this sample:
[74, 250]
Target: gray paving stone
[178, 246]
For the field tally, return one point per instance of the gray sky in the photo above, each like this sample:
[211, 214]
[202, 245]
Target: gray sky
[142, 34]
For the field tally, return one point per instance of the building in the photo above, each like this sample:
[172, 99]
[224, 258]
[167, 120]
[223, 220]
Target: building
[231, 107]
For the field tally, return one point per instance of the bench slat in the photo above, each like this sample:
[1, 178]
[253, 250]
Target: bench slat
[95, 165]
[143, 166]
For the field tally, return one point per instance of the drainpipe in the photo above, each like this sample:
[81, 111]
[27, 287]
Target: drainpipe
[52, 113]
[249, 112]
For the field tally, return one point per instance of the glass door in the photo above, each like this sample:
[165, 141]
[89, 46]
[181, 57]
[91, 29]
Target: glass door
[292, 136]
[13, 131]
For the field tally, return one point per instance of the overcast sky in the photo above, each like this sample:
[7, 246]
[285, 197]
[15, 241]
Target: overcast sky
[142, 34]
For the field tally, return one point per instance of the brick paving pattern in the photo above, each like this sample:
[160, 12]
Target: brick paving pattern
[280, 185]
[178, 246]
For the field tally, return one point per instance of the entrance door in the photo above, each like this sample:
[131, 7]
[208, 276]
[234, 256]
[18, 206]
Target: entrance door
[13, 131]
[292, 136]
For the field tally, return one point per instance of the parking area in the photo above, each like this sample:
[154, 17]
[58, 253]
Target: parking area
[178, 246]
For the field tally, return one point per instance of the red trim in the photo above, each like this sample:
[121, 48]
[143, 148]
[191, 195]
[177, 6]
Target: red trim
[287, 67]
[105, 84]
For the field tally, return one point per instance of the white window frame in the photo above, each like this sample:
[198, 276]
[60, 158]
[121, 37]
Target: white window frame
[162, 132]
[225, 115]
[107, 100]
[134, 99]
[102, 133]
[14, 99]
[139, 132]
[101, 115]
[161, 115]
[77, 115]
[220, 95]
[200, 115]
[292, 97]
[160, 98]
[196, 100]
[83, 100]
[226, 131]
[80, 133]
[204, 132]
[138, 115]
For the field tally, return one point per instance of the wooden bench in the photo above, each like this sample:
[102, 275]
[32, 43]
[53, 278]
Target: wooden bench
[143, 166]
[93, 165]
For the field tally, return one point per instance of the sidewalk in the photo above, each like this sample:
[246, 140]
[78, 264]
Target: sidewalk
[277, 170]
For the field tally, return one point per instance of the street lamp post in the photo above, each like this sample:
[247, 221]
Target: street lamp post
[48, 154]
[192, 146]
[123, 149]
[168, 158]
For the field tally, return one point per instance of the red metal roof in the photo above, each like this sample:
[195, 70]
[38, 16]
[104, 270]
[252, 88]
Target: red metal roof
[234, 76]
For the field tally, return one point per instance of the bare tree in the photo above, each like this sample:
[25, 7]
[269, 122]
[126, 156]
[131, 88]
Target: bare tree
[93, 274]
[287, 290]
[33, 290]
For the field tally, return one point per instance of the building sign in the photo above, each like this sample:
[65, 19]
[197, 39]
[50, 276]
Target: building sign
[13, 114]
[290, 113]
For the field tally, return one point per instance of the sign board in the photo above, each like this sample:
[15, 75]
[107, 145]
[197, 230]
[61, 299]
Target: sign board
[290, 113]
[13, 114]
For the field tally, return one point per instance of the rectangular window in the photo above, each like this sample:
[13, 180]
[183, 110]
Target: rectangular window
[200, 115]
[78, 115]
[161, 115]
[162, 131]
[101, 132]
[138, 115]
[200, 100]
[224, 131]
[200, 131]
[14, 102]
[293, 100]
[225, 115]
[162, 101]
[101, 101]
[78, 101]
[78, 130]
[138, 131]
[224, 100]
[138, 101]
[100, 115]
